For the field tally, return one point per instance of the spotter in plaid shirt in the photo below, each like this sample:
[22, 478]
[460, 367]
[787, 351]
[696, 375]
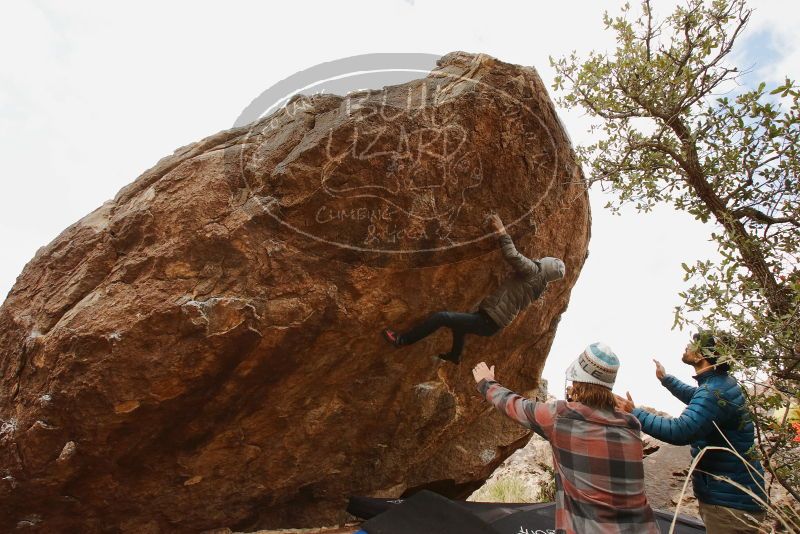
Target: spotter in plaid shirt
[597, 456]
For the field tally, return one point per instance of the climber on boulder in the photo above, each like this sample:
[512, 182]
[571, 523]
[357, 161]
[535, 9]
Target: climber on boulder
[495, 312]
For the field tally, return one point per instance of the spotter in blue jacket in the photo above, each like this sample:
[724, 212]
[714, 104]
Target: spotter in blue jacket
[717, 399]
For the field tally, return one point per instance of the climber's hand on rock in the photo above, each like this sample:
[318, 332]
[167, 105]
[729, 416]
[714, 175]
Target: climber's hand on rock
[482, 372]
[496, 224]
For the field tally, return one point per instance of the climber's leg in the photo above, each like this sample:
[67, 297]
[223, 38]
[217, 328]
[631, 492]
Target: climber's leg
[458, 346]
[468, 323]
[427, 327]
[460, 323]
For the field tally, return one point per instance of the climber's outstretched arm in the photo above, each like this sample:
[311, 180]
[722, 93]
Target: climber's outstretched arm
[519, 262]
[538, 416]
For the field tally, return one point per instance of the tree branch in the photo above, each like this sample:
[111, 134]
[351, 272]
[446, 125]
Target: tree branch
[754, 214]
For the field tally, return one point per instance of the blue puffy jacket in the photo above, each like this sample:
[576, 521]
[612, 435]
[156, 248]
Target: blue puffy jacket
[718, 399]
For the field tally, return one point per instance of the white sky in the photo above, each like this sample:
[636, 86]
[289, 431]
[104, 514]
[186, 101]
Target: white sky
[94, 93]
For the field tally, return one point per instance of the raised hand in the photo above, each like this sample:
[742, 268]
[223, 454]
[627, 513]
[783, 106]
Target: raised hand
[660, 371]
[624, 405]
[482, 371]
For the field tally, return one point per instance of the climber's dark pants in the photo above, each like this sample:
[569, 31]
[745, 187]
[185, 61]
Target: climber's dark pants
[460, 323]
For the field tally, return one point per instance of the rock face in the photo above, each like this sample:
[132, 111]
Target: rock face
[204, 351]
[528, 473]
[665, 472]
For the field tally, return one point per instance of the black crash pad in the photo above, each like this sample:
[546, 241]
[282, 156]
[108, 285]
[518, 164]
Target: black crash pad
[429, 513]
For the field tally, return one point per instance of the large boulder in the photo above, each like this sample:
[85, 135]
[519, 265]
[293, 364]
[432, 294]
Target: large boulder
[204, 350]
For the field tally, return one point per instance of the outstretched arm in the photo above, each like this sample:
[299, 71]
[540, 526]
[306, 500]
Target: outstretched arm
[682, 391]
[520, 263]
[696, 421]
[538, 416]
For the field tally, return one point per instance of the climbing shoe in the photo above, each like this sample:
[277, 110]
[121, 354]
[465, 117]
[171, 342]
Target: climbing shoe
[392, 337]
[449, 357]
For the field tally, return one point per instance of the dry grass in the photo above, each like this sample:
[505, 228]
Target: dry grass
[508, 489]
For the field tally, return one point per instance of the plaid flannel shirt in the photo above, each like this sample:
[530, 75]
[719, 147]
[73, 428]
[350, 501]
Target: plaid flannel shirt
[597, 457]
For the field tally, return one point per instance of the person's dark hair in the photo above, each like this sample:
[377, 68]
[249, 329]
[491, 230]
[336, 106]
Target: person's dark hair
[707, 346]
[593, 395]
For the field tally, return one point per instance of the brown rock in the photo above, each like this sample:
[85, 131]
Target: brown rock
[203, 351]
[665, 472]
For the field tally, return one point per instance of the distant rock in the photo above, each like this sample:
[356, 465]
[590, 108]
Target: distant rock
[203, 350]
[530, 466]
[665, 469]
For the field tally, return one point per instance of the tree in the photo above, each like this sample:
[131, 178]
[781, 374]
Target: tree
[674, 126]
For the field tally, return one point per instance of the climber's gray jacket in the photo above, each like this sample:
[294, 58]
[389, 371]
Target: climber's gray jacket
[525, 285]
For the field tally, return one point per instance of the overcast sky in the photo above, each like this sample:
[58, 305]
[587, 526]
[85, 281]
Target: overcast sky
[94, 93]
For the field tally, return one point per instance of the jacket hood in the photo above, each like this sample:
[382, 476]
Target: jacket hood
[552, 268]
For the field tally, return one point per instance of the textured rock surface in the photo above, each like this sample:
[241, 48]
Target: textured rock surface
[202, 351]
[665, 472]
[525, 472]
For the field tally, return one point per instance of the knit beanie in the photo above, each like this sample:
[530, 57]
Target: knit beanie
[597, 364]
[552, 268]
